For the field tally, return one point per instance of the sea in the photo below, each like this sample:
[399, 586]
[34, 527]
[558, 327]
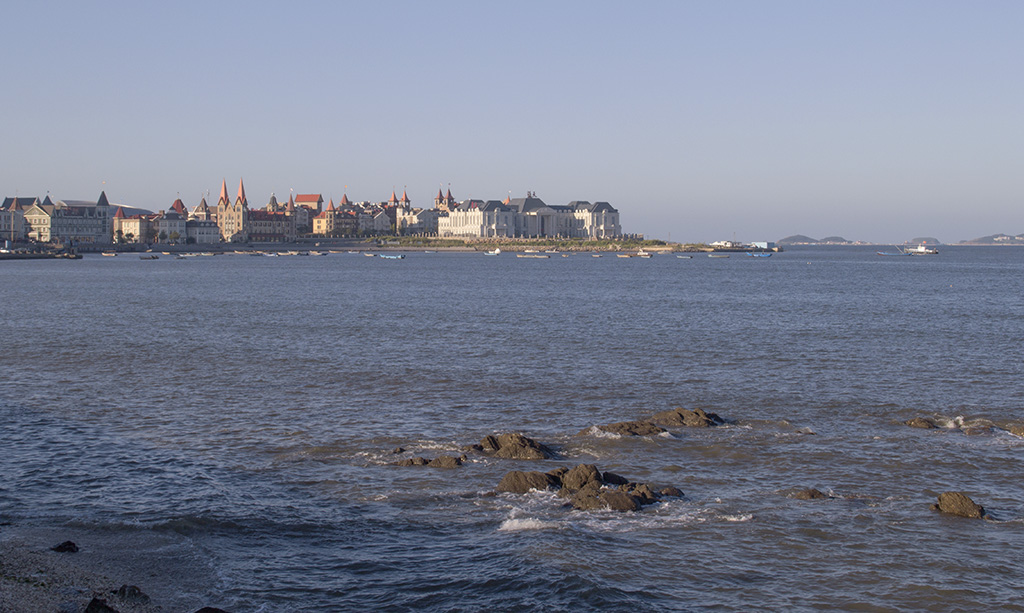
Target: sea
[231, 425]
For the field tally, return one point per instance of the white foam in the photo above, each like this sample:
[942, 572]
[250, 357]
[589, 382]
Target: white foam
[740, 517]
[595, 431]
[528, 523]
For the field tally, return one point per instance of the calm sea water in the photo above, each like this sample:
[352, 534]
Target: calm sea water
[234, 417]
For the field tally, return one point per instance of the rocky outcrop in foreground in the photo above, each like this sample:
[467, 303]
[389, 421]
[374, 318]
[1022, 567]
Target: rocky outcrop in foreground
[640, 427]
[959, 504]
[445, 461]
[587, 488]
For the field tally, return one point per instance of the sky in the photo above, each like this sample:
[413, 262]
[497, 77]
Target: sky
[699, 121]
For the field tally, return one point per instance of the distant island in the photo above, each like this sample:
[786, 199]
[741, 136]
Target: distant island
[996, 239]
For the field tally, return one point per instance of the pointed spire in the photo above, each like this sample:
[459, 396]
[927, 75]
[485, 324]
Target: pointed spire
[448, 197]
[330, 205]
[119, 213]
[344, 200]
[224, 200]
[393, 198]
[291, 204]
[103, 200]
[178, 207]
[405, 199]
[241, 194]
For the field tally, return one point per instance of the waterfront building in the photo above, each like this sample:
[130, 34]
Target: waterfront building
[267, 226]
[12, 218]
[170, 225]
[529, 217]
[132, 228]
[202, 231]
[203, 212]
[233, 219]
[312, 202]
[70, 221]
[445, 202]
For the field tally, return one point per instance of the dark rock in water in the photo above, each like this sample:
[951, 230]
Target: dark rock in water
[810, 494]
[65, 547]
[579, 476]
[398, 450]
[211, 610]
[558, 473]
[417, 461]
[958, 503]
[640, 491]
[519, 482]
[921, 422]
[445, 461]
[697, 418]
[673, 492]
[613, 479]
[620, 501]
[514, 446]
[133, 594]
[629, 428]
[98, 605]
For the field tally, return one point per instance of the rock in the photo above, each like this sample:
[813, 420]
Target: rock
[65, 547]
[98, 605]
[211, 610]
[514, 446]
[1015, 429]
[921, 422]
[958, 503]
[445, 461]
[417, 461]
[630, 428]
[518, 482]
[398, 450]
[586, 500]
[809, 494]
[558, 473]
[580, 475]
[613, 479]
[640, 491]
[591, 490]
[697, 418]
[670, 491]
[133, 594]
[620, 501]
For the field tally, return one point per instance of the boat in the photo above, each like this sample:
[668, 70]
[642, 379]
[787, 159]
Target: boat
[497, 251]
[110, 254]
[644, 254]
[921, 250]
[149, 257]
[370, 255]
[718, 255]
[551, 251]
[596, 255]
[759, 254]
[533, 255]
[389, 256]
[530, 251]
[685, 257]
[565, 255]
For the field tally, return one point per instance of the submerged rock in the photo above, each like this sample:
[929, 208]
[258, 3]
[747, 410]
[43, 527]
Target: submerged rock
[98, 605]
[958, 503]
[810, 494]
[132, 594]
[417, 461]
[65, 547]
[640, 427]
[921, 422]
[697, 418]
[445, 461]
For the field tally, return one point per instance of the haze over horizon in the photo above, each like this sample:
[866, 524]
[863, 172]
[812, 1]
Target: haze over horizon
[699, 121]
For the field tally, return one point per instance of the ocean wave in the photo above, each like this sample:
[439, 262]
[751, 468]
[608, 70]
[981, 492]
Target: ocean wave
[527, 523]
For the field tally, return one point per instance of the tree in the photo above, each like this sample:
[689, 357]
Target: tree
[174, 236]
[130, 237]
[163, 236]
[119, 237]
[151, 235]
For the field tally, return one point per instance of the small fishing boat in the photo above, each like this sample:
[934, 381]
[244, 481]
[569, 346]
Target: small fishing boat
[921, 250]
[685, 257]
[110, 254]
[718, 255]
[149, 257]
[623, 255]
[644, 254]
[497, 251]
[759, 254]
[370, 255]
[389, 256]
[596, 255]
[533, 255]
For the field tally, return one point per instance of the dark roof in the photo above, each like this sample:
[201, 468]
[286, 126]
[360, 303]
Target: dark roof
[22, 202]
[102, 201]
[525, 205]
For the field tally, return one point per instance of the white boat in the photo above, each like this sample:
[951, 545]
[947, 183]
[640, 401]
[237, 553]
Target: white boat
[533, 255]
[399, 256]
[644, 254]
[497, 251]
[685, 257]
[921, 250]
[595, 255]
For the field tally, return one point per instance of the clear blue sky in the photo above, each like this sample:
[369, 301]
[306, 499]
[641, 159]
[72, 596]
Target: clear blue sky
[874, 120]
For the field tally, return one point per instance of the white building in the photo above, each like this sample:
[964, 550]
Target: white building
[530, 217]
